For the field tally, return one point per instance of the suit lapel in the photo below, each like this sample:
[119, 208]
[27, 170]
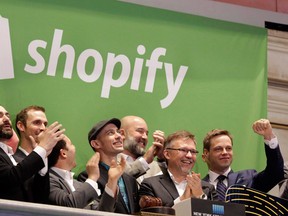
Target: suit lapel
[61, 180]
[5, 157]
[19, 155]
[206, 178]
[232, 178]
[168, 184]
[129, 191]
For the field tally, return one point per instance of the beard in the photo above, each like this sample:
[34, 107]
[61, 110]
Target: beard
[5, 133]
[132, 146]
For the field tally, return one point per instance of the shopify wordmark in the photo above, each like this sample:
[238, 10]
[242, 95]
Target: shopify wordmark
[153, 64]
[6, 60]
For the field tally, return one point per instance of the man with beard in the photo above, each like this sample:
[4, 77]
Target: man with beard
[140, 163]
[218, 154]
[178, 182]
[13, 176]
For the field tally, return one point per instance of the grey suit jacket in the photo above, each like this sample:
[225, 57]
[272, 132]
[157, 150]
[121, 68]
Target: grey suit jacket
[136, 169]
[84, 195]
[163, 187]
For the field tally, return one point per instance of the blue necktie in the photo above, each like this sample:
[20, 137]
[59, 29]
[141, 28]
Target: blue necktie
[121, 186]
[221, 187]
[122, 189]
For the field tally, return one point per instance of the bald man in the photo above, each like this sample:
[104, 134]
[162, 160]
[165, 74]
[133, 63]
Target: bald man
[140, 162]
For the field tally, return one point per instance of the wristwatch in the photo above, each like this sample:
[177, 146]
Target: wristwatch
[203, 196]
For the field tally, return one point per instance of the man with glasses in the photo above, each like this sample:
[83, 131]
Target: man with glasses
[178, 182]
[218, 154]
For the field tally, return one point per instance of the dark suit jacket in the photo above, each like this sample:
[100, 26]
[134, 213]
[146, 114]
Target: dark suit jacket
[131, 188]
[162, 186]
[264, 180]
[37, 187]
[19, 155]
[84, 195]
[13, 178]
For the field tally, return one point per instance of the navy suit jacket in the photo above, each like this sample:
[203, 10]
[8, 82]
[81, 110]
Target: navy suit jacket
[264, 180]
[162, 186]
[13, 178]
[131, 188]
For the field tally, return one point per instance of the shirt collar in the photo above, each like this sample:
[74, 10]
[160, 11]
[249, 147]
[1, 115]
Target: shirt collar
[173, 179]
[7, 149]
[105, 165]
[23, 150]
[213, 175]
[65, 174]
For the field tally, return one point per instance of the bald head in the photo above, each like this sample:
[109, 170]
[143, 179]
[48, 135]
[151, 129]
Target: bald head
[135, 130]
[129, 121]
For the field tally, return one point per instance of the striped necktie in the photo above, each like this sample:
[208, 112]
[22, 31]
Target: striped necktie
[221, 187]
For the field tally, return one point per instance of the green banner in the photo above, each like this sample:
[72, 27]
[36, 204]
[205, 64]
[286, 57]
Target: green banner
[89, 60]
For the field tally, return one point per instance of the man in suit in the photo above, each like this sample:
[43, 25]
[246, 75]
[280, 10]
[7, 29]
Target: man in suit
[218, 154]
[13, 175]
[66, 191]
[30, 122]
[140, 162]
[178, 182]
[106, 139]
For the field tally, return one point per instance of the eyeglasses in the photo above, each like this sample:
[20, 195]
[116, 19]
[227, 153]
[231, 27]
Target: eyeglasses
[184, 151]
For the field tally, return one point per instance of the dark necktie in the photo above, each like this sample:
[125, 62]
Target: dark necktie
[221, 187]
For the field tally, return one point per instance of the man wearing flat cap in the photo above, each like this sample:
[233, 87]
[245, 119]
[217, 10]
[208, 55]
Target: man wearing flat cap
[105, 138]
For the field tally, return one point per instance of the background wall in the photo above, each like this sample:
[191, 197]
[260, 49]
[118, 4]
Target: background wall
[255, 13]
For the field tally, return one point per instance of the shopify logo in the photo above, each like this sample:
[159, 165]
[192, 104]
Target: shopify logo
[76, 65]
[6, 61]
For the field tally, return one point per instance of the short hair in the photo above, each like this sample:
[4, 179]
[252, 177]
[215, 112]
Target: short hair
[181, 134]
[54, 155]
[22, 115]
[213, 133]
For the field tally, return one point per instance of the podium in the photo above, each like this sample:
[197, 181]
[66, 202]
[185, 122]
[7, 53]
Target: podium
[200, 207]
[257, 202]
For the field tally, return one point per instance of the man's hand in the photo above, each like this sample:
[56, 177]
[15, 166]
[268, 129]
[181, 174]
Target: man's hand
[187, 193]
[156, 148]
[194, 182]
[92, 167]
[264, 128]
[114, 173]
[50, 136]
[116, 170]
[159, 140]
